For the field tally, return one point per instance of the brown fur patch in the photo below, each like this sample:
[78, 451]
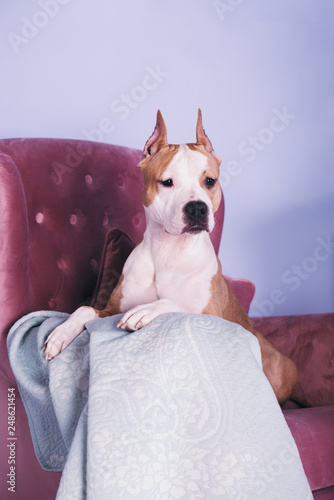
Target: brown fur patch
[201, 149]
[152, 168]
[214, 307]
[114, 303]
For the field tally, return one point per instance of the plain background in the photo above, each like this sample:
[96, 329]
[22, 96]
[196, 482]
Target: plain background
[262, 73]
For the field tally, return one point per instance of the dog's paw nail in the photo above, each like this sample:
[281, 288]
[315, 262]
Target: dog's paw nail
[48, 357]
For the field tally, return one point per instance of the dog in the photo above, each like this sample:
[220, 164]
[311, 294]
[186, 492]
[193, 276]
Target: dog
[174, 268]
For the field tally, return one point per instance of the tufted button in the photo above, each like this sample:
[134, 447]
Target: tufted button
[84, 148]
[39, 218]
[60, 264]
[120, 180]
[56, 174]
[105, 220]
[52, 303]
[88, 180]
[77, 219]
[93, 263]
[136, 220]
[73, 219]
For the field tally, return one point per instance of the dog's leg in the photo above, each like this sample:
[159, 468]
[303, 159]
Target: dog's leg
[278, 368]
[65, 333]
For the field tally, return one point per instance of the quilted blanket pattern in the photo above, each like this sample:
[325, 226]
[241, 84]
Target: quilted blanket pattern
[178, 410]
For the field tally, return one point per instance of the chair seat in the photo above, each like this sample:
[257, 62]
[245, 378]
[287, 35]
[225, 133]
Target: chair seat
[313, 431]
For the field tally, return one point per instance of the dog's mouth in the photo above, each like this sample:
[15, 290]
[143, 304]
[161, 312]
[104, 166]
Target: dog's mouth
[195, 228]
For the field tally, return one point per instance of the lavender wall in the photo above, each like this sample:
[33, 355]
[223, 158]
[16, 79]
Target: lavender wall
[261, 71]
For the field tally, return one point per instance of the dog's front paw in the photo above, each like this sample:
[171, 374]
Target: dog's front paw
[57, 341]
[65, 333]
[137, 317]
[142, 315]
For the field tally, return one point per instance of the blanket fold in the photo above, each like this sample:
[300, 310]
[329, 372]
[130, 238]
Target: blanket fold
[178, 410]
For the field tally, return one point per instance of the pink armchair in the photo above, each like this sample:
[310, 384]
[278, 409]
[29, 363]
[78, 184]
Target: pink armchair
[58, 200]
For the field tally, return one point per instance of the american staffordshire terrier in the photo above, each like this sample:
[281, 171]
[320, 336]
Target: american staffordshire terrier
[175, 268]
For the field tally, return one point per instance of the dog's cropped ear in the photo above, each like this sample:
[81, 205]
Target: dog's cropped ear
[201, 137]
[157, 139]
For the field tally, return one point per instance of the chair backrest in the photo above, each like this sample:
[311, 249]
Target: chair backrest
[75, 192]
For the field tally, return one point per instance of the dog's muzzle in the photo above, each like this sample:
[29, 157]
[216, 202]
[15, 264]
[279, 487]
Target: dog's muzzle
[195, 217]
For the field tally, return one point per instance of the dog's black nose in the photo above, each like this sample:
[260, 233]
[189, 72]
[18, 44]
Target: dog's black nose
[196, 211]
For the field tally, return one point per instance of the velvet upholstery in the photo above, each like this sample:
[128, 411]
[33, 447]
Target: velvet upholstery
[58, 201]
[309, 341]
[313, 431]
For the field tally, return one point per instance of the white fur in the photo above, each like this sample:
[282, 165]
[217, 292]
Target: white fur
[168, 275]
[65, 333]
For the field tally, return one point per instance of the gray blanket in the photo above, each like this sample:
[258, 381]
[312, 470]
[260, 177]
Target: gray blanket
[178, 410]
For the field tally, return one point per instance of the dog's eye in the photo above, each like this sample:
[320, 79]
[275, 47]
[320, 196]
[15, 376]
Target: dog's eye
[210, 182]
[167, 183]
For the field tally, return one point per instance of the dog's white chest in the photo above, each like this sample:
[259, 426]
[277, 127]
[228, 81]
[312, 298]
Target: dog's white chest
[170, 269]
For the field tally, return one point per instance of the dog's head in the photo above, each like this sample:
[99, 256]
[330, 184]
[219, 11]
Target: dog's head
[181, 187]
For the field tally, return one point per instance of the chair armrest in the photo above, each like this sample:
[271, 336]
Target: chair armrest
[14, 279]
[308, 340]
